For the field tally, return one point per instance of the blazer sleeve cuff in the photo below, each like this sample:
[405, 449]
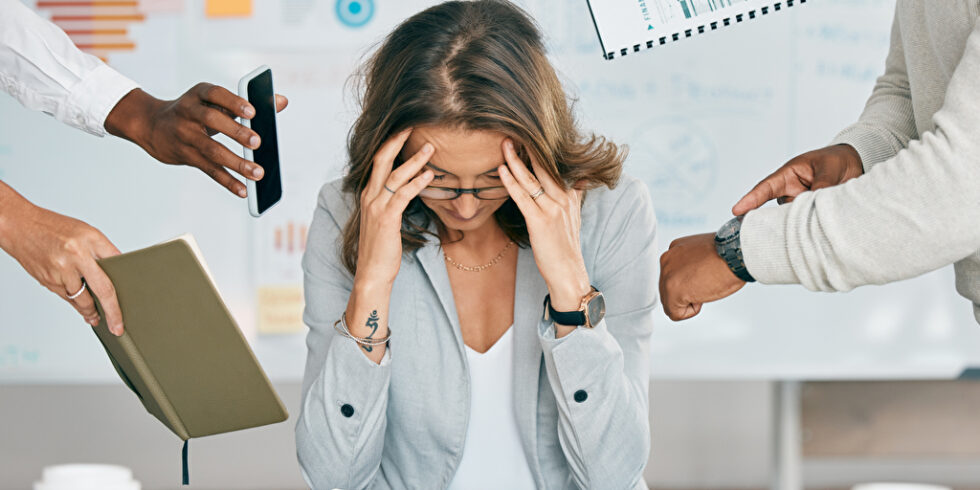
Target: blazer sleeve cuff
[352, 386]
[575, 362]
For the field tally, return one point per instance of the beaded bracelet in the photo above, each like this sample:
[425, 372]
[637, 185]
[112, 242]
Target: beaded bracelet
[341, 327]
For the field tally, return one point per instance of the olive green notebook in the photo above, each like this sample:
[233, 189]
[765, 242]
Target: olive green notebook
[182, 352]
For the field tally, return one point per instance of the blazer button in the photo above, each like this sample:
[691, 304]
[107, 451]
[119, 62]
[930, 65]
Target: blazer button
[581, 396]
[347, 410]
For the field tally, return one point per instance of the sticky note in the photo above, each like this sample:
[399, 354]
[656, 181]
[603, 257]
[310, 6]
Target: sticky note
[280, 309]
[227, 8]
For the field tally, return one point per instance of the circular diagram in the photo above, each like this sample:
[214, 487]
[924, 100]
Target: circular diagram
[355, 13]
[677, 160]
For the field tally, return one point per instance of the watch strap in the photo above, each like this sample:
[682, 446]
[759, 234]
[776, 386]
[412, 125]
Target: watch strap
[729, 247]
[564, 317]
[736, 263]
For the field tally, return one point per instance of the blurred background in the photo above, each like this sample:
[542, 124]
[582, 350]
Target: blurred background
[775, 386]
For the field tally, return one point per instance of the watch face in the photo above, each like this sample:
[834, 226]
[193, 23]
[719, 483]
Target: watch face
[727, 230]
[597, 309]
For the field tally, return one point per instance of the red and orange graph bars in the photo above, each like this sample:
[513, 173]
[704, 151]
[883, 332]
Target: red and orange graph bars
[290, 238]
[99, 27]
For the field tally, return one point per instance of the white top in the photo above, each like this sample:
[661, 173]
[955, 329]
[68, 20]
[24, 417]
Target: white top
[492, 456]
[42, 68]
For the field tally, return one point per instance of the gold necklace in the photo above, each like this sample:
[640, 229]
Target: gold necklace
[479, 268]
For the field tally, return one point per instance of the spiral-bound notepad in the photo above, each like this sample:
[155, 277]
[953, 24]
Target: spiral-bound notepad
[628, 26]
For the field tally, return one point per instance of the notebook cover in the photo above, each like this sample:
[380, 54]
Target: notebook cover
[182, 352]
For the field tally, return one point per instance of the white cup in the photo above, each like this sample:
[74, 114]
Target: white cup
[87, 477]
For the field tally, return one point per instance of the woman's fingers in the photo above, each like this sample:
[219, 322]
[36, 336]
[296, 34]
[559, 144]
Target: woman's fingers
[101, 248]
[550, 186]
[86, 307]
[99, 283]
[410, 168]
[104, 248]
[82, 303]
[520, 172]
[407, 192]
[517, 193]
[383, 161]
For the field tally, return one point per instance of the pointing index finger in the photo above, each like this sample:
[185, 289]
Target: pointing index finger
[770, 188]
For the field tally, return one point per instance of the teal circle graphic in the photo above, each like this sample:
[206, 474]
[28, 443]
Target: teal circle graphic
[355, 13]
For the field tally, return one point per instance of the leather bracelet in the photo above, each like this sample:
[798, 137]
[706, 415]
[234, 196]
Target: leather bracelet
[341, 327]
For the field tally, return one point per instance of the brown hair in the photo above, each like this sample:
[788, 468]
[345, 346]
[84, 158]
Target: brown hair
[476, 65]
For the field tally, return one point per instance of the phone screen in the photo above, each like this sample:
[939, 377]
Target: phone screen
[261, 96]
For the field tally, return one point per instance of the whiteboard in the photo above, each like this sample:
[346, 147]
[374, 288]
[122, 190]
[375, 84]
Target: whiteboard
[705, 118]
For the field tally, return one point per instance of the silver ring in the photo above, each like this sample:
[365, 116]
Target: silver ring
[537, 193]
[79, 292]
[388, 189]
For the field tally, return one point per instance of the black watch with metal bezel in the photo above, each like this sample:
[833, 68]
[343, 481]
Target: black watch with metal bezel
[729, 247]
[590, 312]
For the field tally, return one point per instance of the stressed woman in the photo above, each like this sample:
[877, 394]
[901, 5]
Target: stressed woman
[480, 286]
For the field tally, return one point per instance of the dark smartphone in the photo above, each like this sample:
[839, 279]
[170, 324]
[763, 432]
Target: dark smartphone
[257, 88]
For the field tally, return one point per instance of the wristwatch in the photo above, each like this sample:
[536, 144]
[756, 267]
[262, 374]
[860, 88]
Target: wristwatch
[729, 247]
[590, 311]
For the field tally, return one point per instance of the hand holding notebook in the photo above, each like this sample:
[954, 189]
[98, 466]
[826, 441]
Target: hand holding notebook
[182, 352]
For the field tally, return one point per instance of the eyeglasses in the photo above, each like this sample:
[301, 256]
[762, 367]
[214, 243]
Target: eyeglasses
[449, 193]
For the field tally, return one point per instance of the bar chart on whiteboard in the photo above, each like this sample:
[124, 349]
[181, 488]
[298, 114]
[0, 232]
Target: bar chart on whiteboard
[280, 240]
[626, 26]
[103, 27]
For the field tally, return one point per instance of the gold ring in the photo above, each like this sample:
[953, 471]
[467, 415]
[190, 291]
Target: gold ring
[537, 193]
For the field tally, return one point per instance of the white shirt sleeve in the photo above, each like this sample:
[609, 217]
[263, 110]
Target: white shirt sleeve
[42, 68]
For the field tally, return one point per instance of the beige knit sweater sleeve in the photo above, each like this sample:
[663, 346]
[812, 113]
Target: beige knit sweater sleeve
[887, 124]
[914, 212]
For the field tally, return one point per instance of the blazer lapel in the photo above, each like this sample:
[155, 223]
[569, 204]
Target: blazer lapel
[529, 292]
[529, 295]
[430, 257]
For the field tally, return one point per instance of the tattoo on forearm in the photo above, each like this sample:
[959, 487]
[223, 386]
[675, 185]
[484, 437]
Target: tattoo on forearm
[372, 323]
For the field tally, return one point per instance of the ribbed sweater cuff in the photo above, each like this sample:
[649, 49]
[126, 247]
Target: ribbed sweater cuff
[764, 246]
[872, 148]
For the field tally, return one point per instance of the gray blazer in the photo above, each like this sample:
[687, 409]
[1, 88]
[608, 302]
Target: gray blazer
[581, 401]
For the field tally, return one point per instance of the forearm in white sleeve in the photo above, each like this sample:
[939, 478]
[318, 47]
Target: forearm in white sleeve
[917, 212]
[887, 124]
[42, 68]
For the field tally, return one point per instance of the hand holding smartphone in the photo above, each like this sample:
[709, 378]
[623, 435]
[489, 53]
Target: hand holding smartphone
[256, 87]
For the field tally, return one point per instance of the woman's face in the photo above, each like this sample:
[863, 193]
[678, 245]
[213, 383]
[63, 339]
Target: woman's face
[463, 159]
